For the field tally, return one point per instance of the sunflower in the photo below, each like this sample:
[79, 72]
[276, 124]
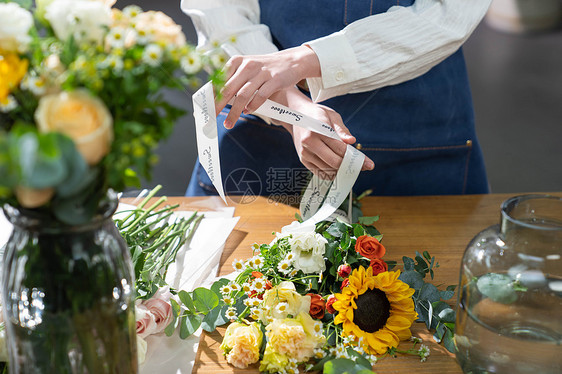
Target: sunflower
[376, 309]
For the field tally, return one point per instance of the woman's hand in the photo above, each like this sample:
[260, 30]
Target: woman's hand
[320, 154]
[253, 79]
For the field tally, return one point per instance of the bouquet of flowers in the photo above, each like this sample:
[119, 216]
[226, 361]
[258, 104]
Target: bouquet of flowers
[81, 100]
[324, 298]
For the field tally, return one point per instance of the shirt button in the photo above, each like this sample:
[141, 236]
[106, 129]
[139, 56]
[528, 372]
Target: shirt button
[339, 75]
[358, 146]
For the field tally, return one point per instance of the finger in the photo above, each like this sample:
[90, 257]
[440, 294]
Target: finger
[231, 88]
[264, 93]
[242, 98]
[322, 166]
[341, 128]
[318, 170]
[368, 164]
[232, 65]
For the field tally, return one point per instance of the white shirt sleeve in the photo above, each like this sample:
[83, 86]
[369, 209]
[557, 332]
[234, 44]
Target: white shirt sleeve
[234, 25]
[392, 47]
[380, 50]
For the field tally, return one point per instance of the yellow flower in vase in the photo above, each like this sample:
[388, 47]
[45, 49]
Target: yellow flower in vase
[12, 71]
[242, 343]
[377, 308]
[82, 117]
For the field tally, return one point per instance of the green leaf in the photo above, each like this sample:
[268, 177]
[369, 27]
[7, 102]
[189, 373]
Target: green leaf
[176, 309]
[448, 341]
[345, 241]
[446, 295]
[358, 230]
[368, 220]
[497, 287]
[344, 366]
[337, 229]
[39, 160]
[188, 325]
[447, 315]
[216, 317]
[187, 301]
[217, 285]
[412, 278]
[408, 263]
[205, 300]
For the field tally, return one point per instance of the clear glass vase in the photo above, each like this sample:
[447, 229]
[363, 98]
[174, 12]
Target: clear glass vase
[68, 296]
[509, 310]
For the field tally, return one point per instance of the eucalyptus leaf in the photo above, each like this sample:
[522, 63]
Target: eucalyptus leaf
[344, 366]
[187, 301]
[368, 220]
[498, 287]
[216, 317]
[358, 230]
[204, 300]
[188, 325]
[412, 278]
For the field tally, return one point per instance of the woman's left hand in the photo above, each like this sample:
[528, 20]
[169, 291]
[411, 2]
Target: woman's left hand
[253, 79]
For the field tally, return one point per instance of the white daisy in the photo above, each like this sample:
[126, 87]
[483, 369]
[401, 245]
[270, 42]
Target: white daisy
[318, 328]
[192, 63]
[247, 287]
[258, 261]
[152, 55]
[132, 11]
[372, 359]
[116, 37]
[112, 62]
[8, 105]
[228, 300]
[234, 286]
[281, 308]
[231, 313]
[284, 267]
[225, 290]
[293, 273]
[259, 285]
[218, 60]
[290, 256]
[319, 353]
[255, 313]
[34, 84]
[238, 265]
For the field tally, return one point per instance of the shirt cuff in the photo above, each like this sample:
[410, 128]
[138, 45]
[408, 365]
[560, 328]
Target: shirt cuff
[338, 64]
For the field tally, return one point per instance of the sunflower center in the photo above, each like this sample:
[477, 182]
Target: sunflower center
[373, 309]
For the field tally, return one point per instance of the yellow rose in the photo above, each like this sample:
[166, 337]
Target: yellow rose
[33, 198]
[273, 362]
[284, 292]
[82, 117]
[160, 28]
[242, 343]
[294, 337]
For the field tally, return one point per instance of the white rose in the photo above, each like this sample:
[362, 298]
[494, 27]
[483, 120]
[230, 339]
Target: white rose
[308, 249]
[86, 20]
[15, 23]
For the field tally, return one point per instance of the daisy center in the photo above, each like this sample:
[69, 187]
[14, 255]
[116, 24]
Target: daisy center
[373, 309]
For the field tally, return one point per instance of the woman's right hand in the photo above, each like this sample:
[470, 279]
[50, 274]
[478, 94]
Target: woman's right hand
[318, 153]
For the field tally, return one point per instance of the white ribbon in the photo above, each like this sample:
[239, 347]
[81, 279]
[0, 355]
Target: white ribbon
[321, 198]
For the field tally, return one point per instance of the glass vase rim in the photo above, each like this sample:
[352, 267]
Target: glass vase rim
[506, 204]
[34, 221]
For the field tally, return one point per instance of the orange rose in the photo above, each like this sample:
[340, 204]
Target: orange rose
[329, 308]
[369, 247]
[378, 265]
[317, 306]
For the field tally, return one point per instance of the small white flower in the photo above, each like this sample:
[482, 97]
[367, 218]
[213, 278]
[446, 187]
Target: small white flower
[238, 265]
[340, 352]
[284, 266]
[250, 264]
[372, 359]
[255, 301]
[192, 63]
[248, 302]
[293, 273]
[415, 339]
[290, 256]
[247, 287]
[318, 328]
[116, 37]
[228, 300]
[8, 105]
[152, 55]
[319, 353]
[258, 261]
[423, 352]
[132, 11]
[225, 290]
[259, 285]
[112, 62]
[231, 313]
[255, 313]
[34, 84]
[234, 286]
[218, 60]
[281, 308]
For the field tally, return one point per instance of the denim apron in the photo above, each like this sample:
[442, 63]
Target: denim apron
[419, 133]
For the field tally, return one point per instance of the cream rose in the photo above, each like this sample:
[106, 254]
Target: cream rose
[242, 343]
[82, 117]
[308, 249]
[32, 197]
[284, 292]
[142, 347]
[86, 20]
[160, 28]
[15, 23]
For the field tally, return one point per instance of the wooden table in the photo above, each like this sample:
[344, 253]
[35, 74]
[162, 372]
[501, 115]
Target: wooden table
[442, 225]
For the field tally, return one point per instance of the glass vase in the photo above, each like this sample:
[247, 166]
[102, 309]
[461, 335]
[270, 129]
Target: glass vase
[68, 296]
[509, 310]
